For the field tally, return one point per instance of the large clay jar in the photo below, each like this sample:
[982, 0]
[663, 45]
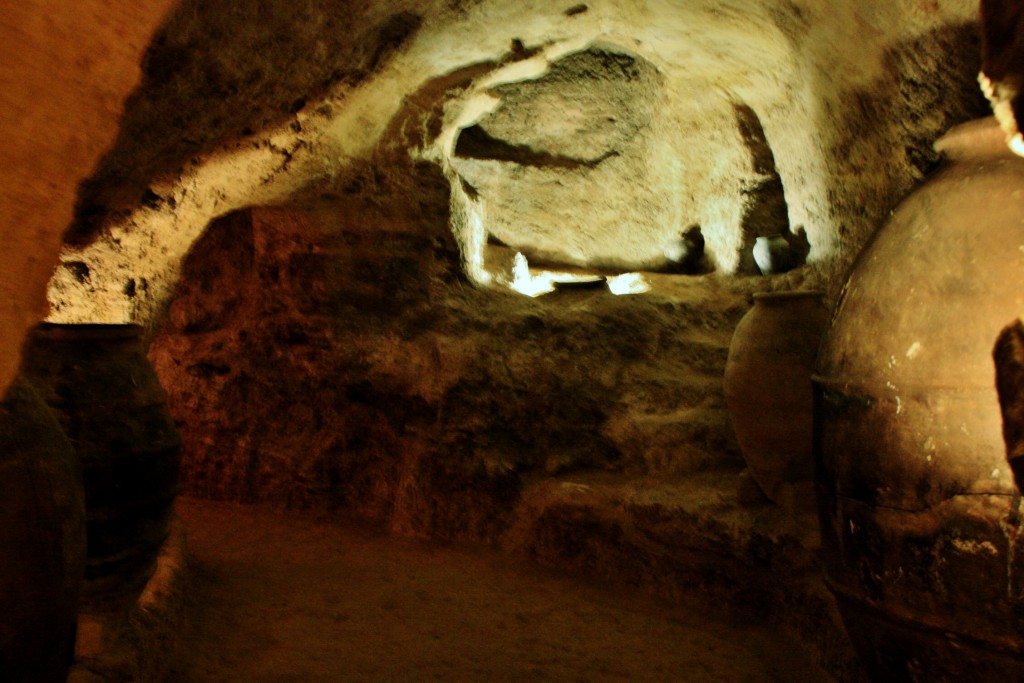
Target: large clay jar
[921, 519]
[768, 387]
[107, 397]
[42, 541]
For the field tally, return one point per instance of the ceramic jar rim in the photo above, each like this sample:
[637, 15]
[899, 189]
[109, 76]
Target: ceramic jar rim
[974, 139]
[48, 330]
[769, 297]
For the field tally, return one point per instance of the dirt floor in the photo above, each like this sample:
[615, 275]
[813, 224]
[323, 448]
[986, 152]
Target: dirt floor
[279, 597]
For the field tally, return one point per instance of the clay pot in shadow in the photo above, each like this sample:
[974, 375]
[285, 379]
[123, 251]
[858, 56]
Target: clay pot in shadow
[107, 397]
[42, 541]
[768, 387]
[921, 519]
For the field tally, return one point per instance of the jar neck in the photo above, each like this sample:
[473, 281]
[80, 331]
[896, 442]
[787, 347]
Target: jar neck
[976, 139]
[87, 331]
[791, 297]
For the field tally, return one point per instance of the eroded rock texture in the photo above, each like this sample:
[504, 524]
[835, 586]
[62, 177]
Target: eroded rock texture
[215, 74]
[336, 350]
[567, 165]
[591, 137]
[312, 361]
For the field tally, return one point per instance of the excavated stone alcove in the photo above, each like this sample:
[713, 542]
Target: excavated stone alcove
[589, 165]
[543, 162]
[306, 204]
[848, 131]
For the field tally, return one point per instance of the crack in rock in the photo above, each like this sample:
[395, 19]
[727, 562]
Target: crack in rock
[476, 143]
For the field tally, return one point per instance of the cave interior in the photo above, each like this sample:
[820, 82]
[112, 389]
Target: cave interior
[469, 271]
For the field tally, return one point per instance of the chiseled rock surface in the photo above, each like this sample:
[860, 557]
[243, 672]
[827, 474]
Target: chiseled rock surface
[254, 105]
[568, 166]
[314, 365]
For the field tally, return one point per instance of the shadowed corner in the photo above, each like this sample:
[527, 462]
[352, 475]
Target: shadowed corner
[1002, 53]
[1009, 360]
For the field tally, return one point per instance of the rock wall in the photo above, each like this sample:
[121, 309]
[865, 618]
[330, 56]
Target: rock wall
[333, 355]
[374, 128]
[378, 130]
[332, 352]
[244, 107]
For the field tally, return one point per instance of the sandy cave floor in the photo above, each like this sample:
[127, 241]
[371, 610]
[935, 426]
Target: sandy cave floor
[284, 597]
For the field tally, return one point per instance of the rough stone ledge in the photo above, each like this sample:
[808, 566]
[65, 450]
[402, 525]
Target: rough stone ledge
[689, 538]
[137, 645]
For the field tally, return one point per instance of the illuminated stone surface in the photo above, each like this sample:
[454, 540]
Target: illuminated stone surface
[849, 129]
[362, 319]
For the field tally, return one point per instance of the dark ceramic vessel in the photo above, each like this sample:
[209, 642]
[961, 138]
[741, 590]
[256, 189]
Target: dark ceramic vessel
[768, 386]
[921, 519]
[108, 399]
[42, 541]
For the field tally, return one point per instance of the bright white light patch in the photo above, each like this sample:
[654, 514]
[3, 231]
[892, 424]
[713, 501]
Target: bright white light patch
[477, 238]
[1017, 144]
[628, 283]
[545, 281]
[525, 282]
